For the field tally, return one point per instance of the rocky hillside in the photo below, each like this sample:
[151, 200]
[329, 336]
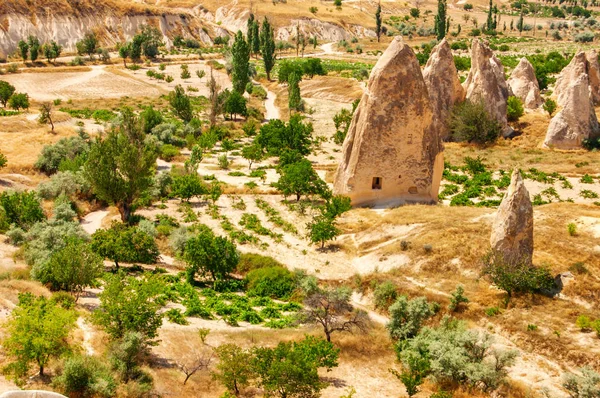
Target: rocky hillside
[67, 21]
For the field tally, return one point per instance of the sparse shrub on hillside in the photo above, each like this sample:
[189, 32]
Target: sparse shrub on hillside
[583, 385]
[85, 376]
[21, 208]
[550, 106]
[514, 109]
[274, 282]
[457, 298]
[385, 294]
[584, 323]
[470, 122]
[584, 37]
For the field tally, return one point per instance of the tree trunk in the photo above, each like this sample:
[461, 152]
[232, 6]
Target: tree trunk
[51, 123]
[268, 75]
[297, 197]
[187, 378]
[41, 373]
[124, 211]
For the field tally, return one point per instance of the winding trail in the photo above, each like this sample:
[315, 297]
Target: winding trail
[93, 221]
[272, 111]
[87, 336]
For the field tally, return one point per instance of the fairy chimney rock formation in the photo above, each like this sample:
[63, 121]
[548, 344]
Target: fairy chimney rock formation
[524, 84]
[392, 154]
[594, 75]
[443, 85]
[577, 119]
[512, 230]
[486, 83]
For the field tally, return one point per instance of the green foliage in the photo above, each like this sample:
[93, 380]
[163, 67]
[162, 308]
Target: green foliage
[514, 109]
[276, 136]
[550, 106]
[267, 47]
[174, 315]
[36, 332]
[440, 20]
[470, 122]
[123, 243]
[129, 304]
[583, 385]
[342, 122]
[187, 186]
[385, 294]
[253, 261]
[516, 275]
[295, 99]
[120, 167]
[584, 323]
[454, 355]
[240, 53]
[19, 101]
[72, 268]
[300, 179]
[181, 104]
[85, 376]
[274, 282]
[291, 368]
[6, 91]
[168, 152]
[492, 311]
[407, 317]
[126, 356]
[88, 45]
[51, 156]
[234, 370]
[235, 104]
[322, 229]
[210, 254]
[572, 229]
[21, 208]
[457, 298]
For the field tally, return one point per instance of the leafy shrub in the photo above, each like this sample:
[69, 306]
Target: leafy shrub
[168, 152]
[457, 298]
[470, 122]
[385, 294]
[584, 323]
[252, 261]
[584, 37]
[407, 317]
[174, 315]
[514, 109]
[277, 282]
[85, 376]
[21, 208]
[66, 148]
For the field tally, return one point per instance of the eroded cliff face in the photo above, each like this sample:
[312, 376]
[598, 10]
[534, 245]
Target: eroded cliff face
[66, 30]
[115, 24]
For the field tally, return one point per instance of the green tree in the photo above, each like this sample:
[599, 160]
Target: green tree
[300, 179]
[295, 99]
[253, 153]
[278, 137]
[88, 45]
[516, 275]
[19, 101]
[514, 109]
[150, 38]
[490, 18]
[34, 47]
[6, 91]
[23, 49]
[235, 104]
[291, 368]
[249, 31]
[22, 208]
[267, 47]
[214, 191]
[322, 229]
[123, 243]
[46, 114]
[125, 52]
[415, 12]
[85, 376]
[150, 118]
[127, 354]
[342, 122]
[206, 253]
[440, 20]
[187, 186]
[73, 268]
[255, 43]
[470, 122]
[51, 51]
[407, 317]
[129, 304]
[378, 22]
[36, 332]
[549, 105]
[181, 104]
[520, 23]
[413, 373]
[120, 167]
[240, 53]
[234, 368]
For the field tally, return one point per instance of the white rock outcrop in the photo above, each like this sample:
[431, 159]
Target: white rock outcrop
[512, 229]
[486, 83]
[524, 84]
[443, 85]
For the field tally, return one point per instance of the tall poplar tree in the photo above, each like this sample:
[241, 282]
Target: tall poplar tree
[241, 63]
[440, 20]
[378, 22]
[267, 46]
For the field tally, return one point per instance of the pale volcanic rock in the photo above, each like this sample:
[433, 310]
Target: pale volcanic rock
[524, 84]
[577, 119]
[392, 154]
[512, 230]
[443, 85]
[486, 83]
[594, 75]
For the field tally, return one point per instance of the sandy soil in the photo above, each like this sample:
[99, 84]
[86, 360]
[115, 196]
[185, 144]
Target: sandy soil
[99, 82]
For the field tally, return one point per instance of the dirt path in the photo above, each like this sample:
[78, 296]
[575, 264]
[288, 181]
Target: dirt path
[93, 221]
[272, 111]
[87, 336]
